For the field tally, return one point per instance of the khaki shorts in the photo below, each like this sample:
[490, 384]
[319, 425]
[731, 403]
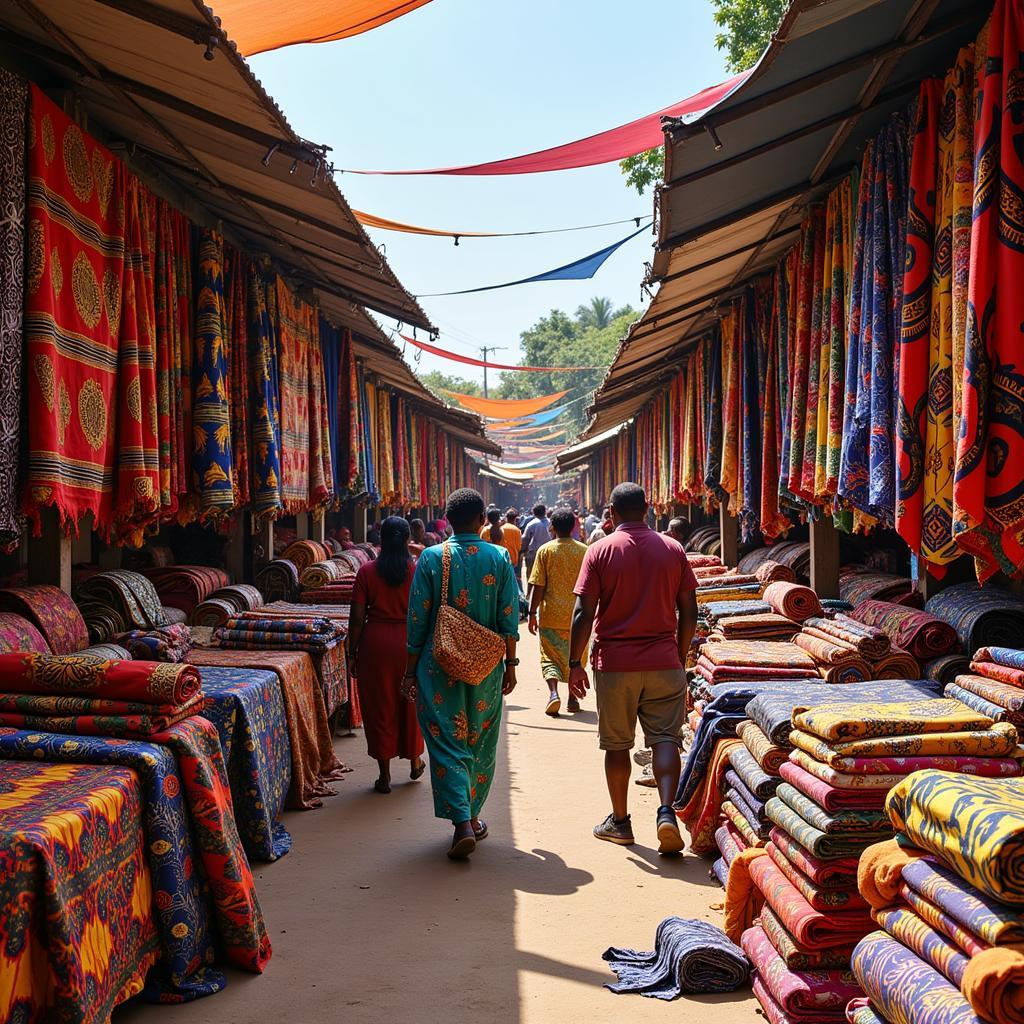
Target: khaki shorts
[657, 697]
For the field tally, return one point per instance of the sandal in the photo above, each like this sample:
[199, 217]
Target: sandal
[417, 770]
[462, 846]
[381, 786]
[480, 830]
[554, 705]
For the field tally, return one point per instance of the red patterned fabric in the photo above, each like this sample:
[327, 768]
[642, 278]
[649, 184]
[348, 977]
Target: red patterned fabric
[53, 612]
[988, 487]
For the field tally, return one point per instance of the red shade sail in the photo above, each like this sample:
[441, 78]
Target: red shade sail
[434, 351]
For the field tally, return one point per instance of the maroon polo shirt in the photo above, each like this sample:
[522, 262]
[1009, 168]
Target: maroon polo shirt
[636, 574]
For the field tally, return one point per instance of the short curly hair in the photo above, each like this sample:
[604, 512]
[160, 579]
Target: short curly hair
[563, 521]
[464, 508]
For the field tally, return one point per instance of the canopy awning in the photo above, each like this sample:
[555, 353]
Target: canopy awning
[738, 177]
[578, 454]
[174, 98]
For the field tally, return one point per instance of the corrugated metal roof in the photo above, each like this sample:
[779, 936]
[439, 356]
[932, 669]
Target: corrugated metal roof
[164, 77]
[738, 177]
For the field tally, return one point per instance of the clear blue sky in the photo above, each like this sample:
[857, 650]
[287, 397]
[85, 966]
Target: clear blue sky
[463, 81]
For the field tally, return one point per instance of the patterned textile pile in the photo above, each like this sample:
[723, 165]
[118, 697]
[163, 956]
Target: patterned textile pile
[766, 626]
[792, 557]
[18, 634]
[836, 661]
[278, 580]
[732, 660]
[945, 669]
[994, 685]
[303, 553]
[982, 616]
[706, 540]
[114, 602]
[53, 613]
[169, 643]
[793, 600]
[320, 574]
[314, 764]
[248, 710]
[184, 586]
[947, 899]
[857, 584]
[689, 957]
[225, 603]
[918, 632]
[828, 809]
[76, 934]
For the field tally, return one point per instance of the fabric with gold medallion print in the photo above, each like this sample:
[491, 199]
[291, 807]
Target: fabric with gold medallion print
[78, 936]
[460, 723]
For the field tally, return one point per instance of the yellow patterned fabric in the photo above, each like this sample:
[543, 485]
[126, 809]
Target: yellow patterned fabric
[975, 825]
[843, 780]
[999, 741]
[843, 721]
[556, 569]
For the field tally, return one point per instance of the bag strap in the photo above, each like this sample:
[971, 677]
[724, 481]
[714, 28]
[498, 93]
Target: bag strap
[446, 570]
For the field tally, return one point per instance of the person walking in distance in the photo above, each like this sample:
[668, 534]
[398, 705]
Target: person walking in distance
[637, 593]
[555, 570]
[535, 536]
[461, 722]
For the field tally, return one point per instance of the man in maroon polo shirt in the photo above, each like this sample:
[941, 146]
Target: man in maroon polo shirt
[637, 592]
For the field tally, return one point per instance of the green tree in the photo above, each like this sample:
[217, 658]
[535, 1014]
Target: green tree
[438, 382]
[561, 340]
[747, 30]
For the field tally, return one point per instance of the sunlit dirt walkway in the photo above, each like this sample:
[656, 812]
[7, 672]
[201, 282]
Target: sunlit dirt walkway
[371, 923]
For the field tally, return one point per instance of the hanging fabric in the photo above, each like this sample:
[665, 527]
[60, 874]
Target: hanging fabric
[455, 357]
[237, 325]
[508, 407]
[264, 381]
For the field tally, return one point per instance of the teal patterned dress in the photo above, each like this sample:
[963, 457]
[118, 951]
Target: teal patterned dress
[460, 723]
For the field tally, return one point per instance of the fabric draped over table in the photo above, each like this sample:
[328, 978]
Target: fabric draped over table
[75, 880]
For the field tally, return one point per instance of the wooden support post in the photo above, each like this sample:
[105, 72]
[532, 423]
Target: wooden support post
[234, 552]
[959, 571]
[359, 524]
[263, 543]
[302, 526]
[824, 557]
[49, 554]
[729, 532]
[317, 525]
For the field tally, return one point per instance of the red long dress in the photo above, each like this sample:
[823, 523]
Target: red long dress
[389, 720]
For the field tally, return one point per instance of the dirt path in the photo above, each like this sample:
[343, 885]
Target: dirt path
[372, 924]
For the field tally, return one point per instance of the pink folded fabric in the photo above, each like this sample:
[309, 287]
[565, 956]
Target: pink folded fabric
[830, 797]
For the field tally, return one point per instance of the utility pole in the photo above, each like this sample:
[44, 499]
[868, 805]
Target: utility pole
[483, 351]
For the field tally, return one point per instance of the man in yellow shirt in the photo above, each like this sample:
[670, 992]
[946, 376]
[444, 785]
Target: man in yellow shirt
[551, 604]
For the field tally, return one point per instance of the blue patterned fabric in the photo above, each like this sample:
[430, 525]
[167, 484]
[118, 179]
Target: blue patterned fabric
[867, 476]
[247, 708]
[181, 897]
[713, 420]
[330, 344]
[266, 419]
[982, 616]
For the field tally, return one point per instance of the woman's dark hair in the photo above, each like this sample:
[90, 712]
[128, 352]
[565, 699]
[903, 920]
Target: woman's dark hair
[394, 563]
[464, 509]
[494, 534]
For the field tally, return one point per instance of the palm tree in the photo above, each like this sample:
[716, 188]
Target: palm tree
[598, 313]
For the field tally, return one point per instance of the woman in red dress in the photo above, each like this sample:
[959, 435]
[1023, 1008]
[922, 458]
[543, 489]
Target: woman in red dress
[376, 641]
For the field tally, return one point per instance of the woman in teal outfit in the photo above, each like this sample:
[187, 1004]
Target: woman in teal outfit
[460, 722]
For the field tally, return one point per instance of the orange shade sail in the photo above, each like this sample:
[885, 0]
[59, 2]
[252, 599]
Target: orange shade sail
[513, 436]
[256, 26]
[501, 408]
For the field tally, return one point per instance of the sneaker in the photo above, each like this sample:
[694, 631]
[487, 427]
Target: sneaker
[574, 705]
[643, 757]
[669, 838]
[646, 778]
[612, 831]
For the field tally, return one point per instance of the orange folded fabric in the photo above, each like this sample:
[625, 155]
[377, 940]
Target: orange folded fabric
[879, 872]
[993, 984]
[743, 899]
[702, 813]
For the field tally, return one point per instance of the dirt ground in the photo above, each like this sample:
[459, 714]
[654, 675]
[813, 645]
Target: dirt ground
[371, 923]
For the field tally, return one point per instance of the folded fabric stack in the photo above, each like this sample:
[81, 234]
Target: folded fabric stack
[727, 581]
[320, 574]
[857, 584]
[982, 616]
[836, 661]
[765, 626]
[289, 610]
[52, 612]
[114, 602]
[832, 605]
[310, 634]
[729, 592]
[774, 572]
[168, 643]
[708, 572]
[994, 685]
[339, 592]
[303, 553]
[226, 602]
[868, 641]
[278, 580]
[722, 607]
[793, 600]
[184, 586]
[947, 897]
[918, 632]
[827, 811]
[734, 660]
[704, 562]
